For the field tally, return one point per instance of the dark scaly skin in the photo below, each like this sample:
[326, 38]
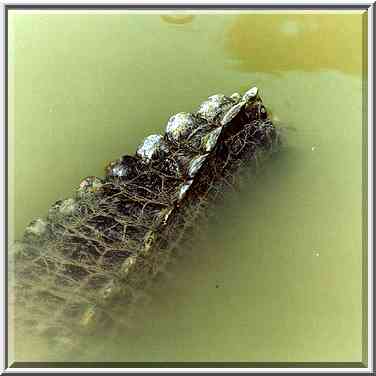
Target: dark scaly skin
[109, 242]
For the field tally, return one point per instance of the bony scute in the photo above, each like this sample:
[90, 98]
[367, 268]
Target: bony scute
[36, 228]
[153, 147]
[124, 167]
[214, 107]
[236, 97]
[232, 113]
[195, 165]
[251, 94]
[164, 215]
[210, 140]
[64, 208]
[184, 190]
[179, 126]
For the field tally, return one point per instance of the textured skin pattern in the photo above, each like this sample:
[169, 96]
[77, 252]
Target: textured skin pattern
[119, 231]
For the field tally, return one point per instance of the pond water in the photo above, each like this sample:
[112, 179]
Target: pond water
[278, 277]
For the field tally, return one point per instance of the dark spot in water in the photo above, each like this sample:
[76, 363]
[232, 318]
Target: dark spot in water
[177, 19]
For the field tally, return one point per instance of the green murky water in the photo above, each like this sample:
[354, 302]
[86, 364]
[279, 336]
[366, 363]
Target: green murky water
[279, 277]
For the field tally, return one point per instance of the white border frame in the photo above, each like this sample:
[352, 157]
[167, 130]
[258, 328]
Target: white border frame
[370, 367]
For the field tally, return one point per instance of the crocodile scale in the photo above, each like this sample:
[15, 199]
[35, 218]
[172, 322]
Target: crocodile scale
[119, 231]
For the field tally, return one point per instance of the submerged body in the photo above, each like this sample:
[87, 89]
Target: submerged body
[109, 241]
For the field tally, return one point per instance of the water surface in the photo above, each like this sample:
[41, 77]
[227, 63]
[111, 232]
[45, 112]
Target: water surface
[279, 275]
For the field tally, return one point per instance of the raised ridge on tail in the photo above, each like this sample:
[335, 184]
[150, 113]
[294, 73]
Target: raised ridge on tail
[110, 240]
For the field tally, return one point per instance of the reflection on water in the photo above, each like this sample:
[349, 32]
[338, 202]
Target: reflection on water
[278, 277]
[307, 41]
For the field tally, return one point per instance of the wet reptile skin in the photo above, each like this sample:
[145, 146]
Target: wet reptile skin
[118, 232]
